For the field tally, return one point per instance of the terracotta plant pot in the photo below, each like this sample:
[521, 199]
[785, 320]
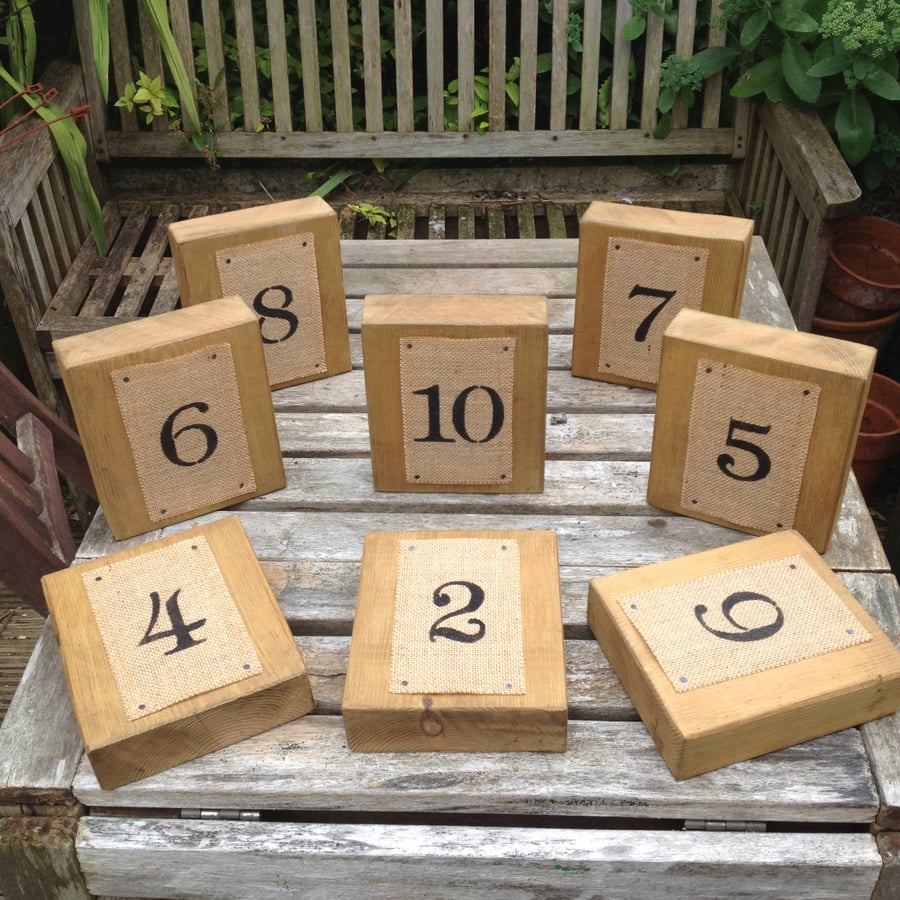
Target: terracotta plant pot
[863, 266]
[876, 333]
[879, 434]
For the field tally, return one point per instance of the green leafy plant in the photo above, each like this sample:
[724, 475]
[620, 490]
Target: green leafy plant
[376, 216]
[150, 96]
[19, 44]
[837, 56]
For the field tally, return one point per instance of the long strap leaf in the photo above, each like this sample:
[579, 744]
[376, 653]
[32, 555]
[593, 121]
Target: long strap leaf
[159, 15]
[73, 150]
[99, 15]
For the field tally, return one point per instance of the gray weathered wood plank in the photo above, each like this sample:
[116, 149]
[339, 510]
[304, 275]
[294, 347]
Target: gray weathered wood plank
[443, 862]
[609, 769]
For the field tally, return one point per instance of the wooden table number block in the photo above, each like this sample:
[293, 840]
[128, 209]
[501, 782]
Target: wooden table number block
[284, 261]
[175, 413]
[456, 389]
[637, 267]
[755, 425]
[739, 651]
[457, 644]
[174, 649]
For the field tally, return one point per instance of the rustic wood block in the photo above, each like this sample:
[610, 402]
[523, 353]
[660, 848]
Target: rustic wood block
[175, 413]
[457, 644]
[456, 388]
[637, 267]
[284, 261]
[200, 661]
[755, 425]
[779, 651]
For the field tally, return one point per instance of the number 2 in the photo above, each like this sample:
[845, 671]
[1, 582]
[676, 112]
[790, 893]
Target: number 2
[441, 598]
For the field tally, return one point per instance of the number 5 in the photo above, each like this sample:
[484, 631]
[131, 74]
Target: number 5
[725, 461]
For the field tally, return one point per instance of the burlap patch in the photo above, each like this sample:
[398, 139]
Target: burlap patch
[279, 281]
[645, 285]
[169, 625]
[457, 406]
[780, 612]
[748, 438]
[185, 426]
[458, 618]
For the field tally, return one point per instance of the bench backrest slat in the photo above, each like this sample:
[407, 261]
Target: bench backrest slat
[349, 83]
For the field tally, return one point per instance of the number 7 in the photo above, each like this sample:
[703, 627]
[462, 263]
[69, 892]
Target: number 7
[639, 291]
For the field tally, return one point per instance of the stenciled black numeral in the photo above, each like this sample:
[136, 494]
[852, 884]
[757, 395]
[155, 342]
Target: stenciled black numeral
[743, 634]
[458, 415]
[276, 312]
[476, 598]
[640, 291]
[726, 461]
[168, 436]
[180, 630]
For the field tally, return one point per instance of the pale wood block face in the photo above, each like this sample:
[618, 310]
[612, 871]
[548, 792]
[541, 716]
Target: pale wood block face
[176, 646]
[637, 267]
[284, 261]
[456, 390]
[704, 604]
[390, 705]
[755, 425]
[175, 413]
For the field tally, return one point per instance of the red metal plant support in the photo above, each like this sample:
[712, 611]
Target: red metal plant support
[46, 97]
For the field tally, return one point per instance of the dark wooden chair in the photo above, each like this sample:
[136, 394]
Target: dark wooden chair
[36, 447]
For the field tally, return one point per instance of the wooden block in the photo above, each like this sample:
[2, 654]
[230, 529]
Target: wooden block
[191, 622]
[175, 413]
[456, 388]
[725, 615]
[441, 616]
[284, 260]
[636, 268]
[755, 425]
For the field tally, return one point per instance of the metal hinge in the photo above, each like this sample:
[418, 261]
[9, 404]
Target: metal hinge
[218, 815]
[719, 825]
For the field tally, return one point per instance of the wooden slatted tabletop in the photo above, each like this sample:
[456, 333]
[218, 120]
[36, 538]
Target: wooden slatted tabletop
[604, 818]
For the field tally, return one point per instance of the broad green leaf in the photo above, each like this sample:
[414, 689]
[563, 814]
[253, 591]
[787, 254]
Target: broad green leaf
[666, 100]
[796, 21]
[544, 63]
[98, 11]
[831, 66]
[795, 61]
[855, 127]
[663, 127]
[882, 85]
[73, 150]
[634, 28]
[873, 170]
[757, 79]
[754, 27]
[512, 91]
[778, 92]
[159, 15]
[714, 59]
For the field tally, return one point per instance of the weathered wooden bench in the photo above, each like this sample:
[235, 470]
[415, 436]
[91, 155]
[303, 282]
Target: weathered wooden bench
[293, 812]
[776, 165]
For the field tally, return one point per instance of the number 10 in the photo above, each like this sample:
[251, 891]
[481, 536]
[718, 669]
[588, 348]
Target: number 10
[459, 415]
